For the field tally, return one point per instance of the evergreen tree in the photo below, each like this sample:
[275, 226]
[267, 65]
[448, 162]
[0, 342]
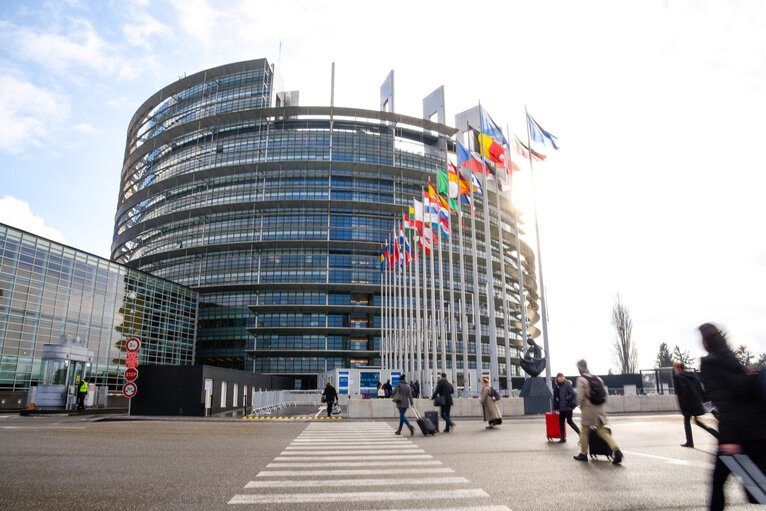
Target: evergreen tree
[761, 361]
[682, 357]
[663, 356]
[744, 355]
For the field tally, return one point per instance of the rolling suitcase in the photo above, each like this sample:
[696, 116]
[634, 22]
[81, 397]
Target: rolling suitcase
[425, 425]
[752, 478]
[597, 446]
[434, 418]
[552, 430]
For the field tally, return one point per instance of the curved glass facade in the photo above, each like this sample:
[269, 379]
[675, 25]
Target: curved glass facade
[276, 216]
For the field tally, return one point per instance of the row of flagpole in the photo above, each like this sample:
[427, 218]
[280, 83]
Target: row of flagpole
[414, 329]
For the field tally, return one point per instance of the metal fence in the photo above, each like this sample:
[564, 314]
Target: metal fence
[270, 401]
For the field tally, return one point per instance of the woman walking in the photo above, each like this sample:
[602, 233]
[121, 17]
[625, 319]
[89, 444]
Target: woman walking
[403, 399]
[567, 403]
[741, 418]
[489, 405]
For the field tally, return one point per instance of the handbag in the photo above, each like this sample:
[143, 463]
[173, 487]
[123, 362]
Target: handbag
[396, 398]
[440, 400]
[324, 399]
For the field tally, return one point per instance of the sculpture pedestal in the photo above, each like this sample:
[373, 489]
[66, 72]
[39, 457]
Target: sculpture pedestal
[537, 397]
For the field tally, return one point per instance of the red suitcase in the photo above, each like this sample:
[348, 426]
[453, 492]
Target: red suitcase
[552, 430]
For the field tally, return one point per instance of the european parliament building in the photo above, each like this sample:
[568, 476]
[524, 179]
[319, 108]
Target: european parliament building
[275, 213]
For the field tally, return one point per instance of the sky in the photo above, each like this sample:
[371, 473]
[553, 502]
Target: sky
[658, 106]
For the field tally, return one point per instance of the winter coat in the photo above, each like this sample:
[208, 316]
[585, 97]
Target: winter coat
[555, 395]
[741, 416]
[488, 406]
[591, 415]
[444, 388]
[567, 397]
[689, 393]
[330, 395]
[405, 393]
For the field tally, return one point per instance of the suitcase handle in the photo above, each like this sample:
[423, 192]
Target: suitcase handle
[417, 413]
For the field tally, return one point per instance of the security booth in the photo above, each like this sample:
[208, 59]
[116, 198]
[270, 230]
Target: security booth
[65, 365]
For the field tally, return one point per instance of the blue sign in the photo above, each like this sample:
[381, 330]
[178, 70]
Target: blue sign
[342, 381]
[395, 379]
[369, 380]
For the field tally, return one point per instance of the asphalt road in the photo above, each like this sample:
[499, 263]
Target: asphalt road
[83, 464]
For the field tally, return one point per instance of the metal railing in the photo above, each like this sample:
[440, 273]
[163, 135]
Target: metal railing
[267, 402]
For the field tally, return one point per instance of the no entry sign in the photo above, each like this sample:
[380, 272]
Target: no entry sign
[129, 389]
[131, 373]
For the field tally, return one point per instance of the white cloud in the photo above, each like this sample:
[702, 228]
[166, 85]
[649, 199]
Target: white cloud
[84, 128]
[145, 30]
[28, 114]
[198, 19]
[80, 45]
[17, 213]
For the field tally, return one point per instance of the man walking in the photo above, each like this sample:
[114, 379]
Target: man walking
[567, 403]
[689, 393]
[443, 399]
[591, 396]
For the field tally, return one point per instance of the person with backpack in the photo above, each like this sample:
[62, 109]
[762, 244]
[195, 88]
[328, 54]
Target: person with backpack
[489, 398]
[734, 391]
[689, 392]
[567, 402]
[591, 397]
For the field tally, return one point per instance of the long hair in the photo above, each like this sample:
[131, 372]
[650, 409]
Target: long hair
[713, 337]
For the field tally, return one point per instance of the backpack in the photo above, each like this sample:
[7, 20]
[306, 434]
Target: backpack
[597, 391]
[495, 394]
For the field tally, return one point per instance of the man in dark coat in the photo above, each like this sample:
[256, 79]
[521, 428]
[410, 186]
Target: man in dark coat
[443, 399]
[330, 396]
[567, 403]
[741, 417]
[689, 393]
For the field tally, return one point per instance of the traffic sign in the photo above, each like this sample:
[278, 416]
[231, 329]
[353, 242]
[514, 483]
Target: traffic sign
[131, 373]
[133, 345]
[131, 359]
[129, 389]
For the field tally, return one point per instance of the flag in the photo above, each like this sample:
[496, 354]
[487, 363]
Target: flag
[488, 127]
[396, 249]
[476, 184]
[383, 257]
[444, 216]
[468, 159]
[524, 151]
[425, 240]
[434, 205]
[427, 212]
[417, 206]
[490, 149]
[406, 223]
[454, 187]
[539, 135]
[412, 218]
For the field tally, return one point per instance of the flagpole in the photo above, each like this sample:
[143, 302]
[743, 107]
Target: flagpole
[464, 315]
[503, 295]
[434, 308]
[385, 342]
[397, 309]
[543, 308]
[410, 318]
[426, 321]
[453, 326]
[418, 333]
[476, 305]
[493, 365]
[382, 306]
[519, 264]
[442, 326]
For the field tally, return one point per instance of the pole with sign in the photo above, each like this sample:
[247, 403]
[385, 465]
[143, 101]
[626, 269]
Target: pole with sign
[129, 390]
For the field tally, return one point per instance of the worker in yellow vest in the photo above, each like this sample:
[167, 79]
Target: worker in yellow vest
[81, 391]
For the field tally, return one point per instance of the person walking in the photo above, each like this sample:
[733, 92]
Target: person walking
[387, 389]
[567, 403]
[403, 399]
[417, 389]
[82, 391]
[591, 396]
[689, 392]
[443, 399]
[741, 416]
[489, 405]
[330, 396]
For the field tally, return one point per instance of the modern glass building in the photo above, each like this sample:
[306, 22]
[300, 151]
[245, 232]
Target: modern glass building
[48, 289]
[275, 214]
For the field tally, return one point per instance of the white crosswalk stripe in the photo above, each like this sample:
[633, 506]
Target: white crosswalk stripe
[357, 459]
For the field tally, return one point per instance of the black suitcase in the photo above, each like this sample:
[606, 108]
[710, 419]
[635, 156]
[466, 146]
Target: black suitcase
[425, 425]
[597, 446]
[752, 478]
[433, 416]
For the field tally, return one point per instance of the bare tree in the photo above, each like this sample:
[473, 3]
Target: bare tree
[625, 350]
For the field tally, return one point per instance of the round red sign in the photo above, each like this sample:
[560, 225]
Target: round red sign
[129, 389]
[132, 345]
[131, 373]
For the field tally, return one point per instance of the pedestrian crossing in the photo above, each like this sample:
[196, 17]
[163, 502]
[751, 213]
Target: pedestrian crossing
[360, 466]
